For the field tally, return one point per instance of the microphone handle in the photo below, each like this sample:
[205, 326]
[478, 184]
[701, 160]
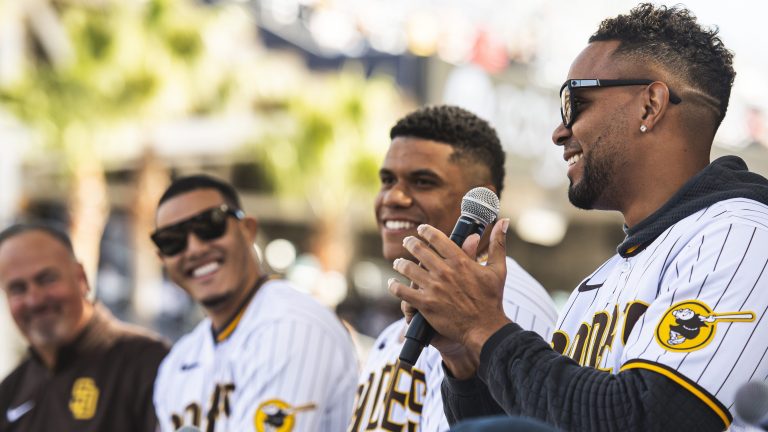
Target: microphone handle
[420, 332]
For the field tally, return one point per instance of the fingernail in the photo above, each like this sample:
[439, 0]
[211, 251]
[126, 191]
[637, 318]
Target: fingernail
[390, 281]
[405, 240]
[420, 229]
[504, 225]
[394, 263]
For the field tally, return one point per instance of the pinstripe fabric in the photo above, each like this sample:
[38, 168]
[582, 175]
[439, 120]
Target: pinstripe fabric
[287, 349]
[525, 301]
[714, 265]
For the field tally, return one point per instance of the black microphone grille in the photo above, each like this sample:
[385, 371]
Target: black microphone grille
[752, 401]
[480, 204]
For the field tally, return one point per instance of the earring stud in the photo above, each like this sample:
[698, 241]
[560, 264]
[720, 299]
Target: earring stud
[643, 128]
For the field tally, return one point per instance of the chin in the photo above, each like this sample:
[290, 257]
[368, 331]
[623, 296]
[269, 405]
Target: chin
[393, 249]
[213, 301]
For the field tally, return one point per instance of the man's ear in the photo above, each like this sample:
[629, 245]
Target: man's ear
[82, 279]
[655, 103]
[251, 226]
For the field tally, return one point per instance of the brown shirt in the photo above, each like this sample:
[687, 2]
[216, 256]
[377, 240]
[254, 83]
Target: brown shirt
[101, 382]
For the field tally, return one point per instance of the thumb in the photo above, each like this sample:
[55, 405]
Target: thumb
[497, 249]
[470, 246]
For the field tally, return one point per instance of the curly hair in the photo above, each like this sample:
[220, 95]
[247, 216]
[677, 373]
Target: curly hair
[671, 37]
[468, 134]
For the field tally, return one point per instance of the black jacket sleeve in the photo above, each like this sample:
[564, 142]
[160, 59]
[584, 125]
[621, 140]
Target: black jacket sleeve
[520, 374]
[466, 398]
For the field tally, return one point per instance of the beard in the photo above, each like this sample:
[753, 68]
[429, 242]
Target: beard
[599, 171]
[216, 301]
[49, 331]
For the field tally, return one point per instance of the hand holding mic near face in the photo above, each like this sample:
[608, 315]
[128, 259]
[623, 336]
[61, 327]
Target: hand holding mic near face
[479, 208]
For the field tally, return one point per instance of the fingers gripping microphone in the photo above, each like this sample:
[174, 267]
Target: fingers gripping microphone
[752, 404]
[479, 207]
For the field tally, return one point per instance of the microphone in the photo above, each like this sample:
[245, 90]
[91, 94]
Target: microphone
[479, 207]
[752, 404]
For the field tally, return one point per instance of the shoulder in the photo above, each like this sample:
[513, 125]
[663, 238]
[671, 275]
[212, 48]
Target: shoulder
[188, 345]
[389, 342]
[518, 276]
[128, 342]
[278, 301]
[135, 338]
[522, 289]
[734, 211]
[393, 331]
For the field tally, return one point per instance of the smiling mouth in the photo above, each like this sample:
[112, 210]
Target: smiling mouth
[205, 269]
[399, 225]
[573, 159]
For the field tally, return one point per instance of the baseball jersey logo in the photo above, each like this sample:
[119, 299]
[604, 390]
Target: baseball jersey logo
[690, 325]
[85, 396]
[276, 415]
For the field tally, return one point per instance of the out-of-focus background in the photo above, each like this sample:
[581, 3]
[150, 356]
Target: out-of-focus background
[102, 102]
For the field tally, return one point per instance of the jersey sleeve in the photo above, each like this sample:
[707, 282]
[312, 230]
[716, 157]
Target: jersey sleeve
[705, 330]
[294, 372]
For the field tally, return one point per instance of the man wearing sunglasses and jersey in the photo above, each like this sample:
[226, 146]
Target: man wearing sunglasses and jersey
[664, 333]
[266, 357]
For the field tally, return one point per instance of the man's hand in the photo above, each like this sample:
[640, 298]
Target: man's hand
[460, 298]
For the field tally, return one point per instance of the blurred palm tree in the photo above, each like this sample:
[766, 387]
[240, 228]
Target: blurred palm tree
[91, 68]
[326, 140]
[95, 68]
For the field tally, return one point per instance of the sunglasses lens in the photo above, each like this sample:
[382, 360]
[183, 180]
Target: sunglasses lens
[209, 225]
[170, 241]
[565, 106]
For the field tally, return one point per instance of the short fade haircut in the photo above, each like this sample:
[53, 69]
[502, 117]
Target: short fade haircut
[468, 134]
[671, 37]
[201, 181]
[24, 227]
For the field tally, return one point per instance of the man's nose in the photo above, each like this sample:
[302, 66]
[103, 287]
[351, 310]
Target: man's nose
[195, 244]
[397, 196]
[560, 134]
[35, 295]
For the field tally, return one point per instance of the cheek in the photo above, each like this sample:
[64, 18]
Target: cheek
[173, 266]
[18, 308]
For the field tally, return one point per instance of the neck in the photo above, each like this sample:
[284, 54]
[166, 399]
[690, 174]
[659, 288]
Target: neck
[664, 173]
[222, 315]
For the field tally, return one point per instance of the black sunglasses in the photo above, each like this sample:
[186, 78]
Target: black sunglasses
[568, 110]
[207, 225]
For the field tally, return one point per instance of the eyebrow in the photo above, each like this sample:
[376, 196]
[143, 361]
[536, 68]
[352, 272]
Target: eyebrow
[421, 172]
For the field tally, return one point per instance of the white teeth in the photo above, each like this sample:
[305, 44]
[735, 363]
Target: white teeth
[573, 159]
[398, 225]
[205, 269]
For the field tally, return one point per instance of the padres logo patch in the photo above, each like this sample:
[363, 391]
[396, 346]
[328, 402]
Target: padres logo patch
[85, 396]
[690, 325]
[276, 415]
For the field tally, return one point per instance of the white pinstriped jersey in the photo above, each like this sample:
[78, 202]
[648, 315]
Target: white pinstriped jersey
[288, 365]
[691, 306]
[418, 405]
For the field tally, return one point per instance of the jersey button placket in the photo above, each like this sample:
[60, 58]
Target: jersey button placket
[626, 266]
